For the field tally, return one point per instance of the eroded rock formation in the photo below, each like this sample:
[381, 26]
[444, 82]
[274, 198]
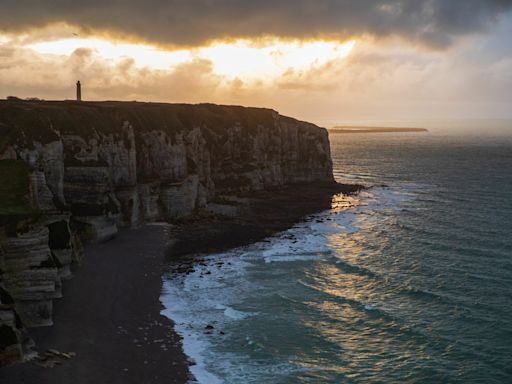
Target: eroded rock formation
[74, 172]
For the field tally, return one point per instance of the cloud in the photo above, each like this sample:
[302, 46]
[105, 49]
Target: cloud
[434, 23]
[25, 73]
[376, 81]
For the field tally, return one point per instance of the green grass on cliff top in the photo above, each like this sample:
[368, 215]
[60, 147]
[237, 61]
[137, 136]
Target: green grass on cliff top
[14, 188]
[23, 122]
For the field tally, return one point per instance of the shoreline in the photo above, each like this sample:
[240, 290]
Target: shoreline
[110, 315]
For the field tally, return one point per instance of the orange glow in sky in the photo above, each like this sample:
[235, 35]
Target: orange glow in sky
[238, 59]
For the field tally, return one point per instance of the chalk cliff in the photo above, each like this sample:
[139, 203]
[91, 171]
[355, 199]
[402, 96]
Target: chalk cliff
[72, 172]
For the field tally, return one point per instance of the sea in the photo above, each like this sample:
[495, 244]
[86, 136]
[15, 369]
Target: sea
[410, 281]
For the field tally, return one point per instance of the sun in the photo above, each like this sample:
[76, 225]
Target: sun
[246, 60]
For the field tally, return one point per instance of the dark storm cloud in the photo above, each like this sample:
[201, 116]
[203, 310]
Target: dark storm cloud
[192, 22]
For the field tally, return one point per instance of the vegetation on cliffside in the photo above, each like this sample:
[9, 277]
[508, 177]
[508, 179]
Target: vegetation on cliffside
[14, 188]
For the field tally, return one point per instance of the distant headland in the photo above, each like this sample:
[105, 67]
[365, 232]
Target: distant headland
[365, 129]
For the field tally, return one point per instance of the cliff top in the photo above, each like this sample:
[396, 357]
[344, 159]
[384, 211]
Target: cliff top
[43, 120]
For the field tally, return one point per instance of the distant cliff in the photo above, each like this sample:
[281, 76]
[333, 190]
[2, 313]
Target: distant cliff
[73, 172]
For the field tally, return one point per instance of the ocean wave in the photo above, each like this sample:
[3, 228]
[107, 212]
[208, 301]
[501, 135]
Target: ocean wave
[290, 258]
[356, 269]
[423, 294]
[233, 313]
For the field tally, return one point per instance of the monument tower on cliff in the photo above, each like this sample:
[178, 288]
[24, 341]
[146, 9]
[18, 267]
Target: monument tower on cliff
[78, 91]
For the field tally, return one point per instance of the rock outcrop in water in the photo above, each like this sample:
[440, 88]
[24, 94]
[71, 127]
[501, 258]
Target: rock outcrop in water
[73, 172]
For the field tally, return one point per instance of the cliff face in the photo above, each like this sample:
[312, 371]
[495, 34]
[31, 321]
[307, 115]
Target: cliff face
[78, 171]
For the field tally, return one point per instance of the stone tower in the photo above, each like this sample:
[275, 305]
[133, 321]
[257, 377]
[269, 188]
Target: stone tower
[78, 91]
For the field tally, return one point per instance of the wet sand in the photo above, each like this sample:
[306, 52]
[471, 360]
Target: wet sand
[110, 313]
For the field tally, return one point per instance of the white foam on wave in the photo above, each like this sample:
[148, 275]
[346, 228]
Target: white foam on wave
[233, 313]
[303, 242]
[201, 303]
[391, 197]
[236, 315]
[193, 345]
[289, 258]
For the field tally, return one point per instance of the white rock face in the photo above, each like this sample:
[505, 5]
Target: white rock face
[30, 278]
[110, 165]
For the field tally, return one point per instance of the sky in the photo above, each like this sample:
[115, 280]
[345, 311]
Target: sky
[325, 61]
